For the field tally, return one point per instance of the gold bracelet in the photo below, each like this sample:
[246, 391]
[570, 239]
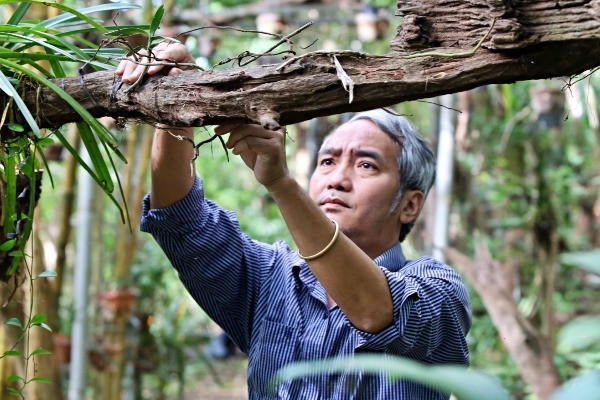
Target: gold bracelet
[333, 239]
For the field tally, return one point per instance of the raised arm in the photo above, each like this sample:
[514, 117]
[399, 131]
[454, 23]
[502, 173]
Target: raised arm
[172, 150]
[348, 274]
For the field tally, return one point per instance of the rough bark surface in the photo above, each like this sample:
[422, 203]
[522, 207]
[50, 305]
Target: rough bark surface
[526, 345]
[529, 40]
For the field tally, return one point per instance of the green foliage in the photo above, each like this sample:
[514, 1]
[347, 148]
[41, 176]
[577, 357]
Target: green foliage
[579, 334]
[174, 340]
[464, 384]
[32, 321]
[588, 260]
[583, 387]
[39, 51]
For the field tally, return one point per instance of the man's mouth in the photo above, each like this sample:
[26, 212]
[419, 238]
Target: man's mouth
[334, 201]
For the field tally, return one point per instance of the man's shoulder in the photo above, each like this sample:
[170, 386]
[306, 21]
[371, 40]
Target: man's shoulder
[427, 265]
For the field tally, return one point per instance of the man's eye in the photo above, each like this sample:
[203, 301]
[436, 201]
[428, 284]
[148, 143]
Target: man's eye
[326, 161]
[367, 165]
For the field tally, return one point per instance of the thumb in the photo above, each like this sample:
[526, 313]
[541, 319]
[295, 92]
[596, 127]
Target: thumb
[175, 71]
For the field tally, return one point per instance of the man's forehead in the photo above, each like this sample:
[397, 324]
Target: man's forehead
[358, 136]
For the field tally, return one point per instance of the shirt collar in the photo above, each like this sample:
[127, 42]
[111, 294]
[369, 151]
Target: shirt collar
[392, 259]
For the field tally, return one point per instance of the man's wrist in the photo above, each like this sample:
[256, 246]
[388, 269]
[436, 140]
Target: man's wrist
[281, 185]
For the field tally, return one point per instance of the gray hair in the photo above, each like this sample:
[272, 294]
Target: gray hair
[416, 161]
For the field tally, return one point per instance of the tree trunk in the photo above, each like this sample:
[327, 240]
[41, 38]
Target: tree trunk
[527, 346]
[529, 40]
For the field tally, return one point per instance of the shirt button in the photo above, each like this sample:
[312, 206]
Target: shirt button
[325, 315]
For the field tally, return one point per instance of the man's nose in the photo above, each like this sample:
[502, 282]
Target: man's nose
[340, 179]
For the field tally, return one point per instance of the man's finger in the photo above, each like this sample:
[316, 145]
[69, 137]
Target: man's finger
[121, 67]
[225, 128]
[175, 71]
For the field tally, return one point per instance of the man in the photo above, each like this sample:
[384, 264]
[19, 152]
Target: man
[343, 292]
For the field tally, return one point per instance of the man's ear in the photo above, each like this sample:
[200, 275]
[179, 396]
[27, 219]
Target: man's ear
[410, 206]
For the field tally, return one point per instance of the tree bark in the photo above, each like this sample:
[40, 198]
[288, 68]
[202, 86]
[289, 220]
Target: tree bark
[530, 40]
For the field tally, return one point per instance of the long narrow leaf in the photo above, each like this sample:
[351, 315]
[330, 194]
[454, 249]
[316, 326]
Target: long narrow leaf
[464, 384]
[158, 16]
[118, 179]
[57, 69]
[54, 42]
[10, 200]
[20, 104]
[123, 30]
[85, 115]
[5, 85]
[32, 56]
[60, 19]
[45, 162]
[18, 14]
[61, 7]
[31, 40]
[85, 166]
[92, 146]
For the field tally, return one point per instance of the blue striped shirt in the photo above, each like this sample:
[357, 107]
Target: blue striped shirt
[269, 302]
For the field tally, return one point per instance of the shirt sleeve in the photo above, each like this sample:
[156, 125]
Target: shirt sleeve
[431, 315]
[220, 266]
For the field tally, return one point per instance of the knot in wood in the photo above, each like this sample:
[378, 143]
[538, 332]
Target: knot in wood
[416, 31]
[268, 120]
[507, 34]
[595, 9]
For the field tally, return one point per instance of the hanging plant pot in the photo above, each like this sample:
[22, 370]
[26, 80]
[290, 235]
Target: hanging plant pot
[62, 348]
[117, 301]
[371, 24]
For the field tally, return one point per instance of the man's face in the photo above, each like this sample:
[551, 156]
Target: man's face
[355, 182]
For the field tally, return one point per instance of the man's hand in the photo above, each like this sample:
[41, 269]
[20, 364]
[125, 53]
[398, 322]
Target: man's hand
[164, 54]
[262, 150]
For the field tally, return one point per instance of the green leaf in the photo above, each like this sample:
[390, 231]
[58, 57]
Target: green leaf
[46, 327]
[18, 14]
[578, 334]
[17, 253]
[40, 352]
[582, 387]
[47, 274]
[11, 353]
[15, 127]
[6, 86]
[91, 145]
[85, 115]
[14, 378]
[19, 102]
[38, 319]
[40, 379]
[10, 196]
[463, 383]
[588, 260]
[85, 166]
[112, 163]
[60, 20]
[158, 15]
[45, 142]
[27, 168]
[40, 152]
[8, 245]
[15, 392]
[62, 7]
